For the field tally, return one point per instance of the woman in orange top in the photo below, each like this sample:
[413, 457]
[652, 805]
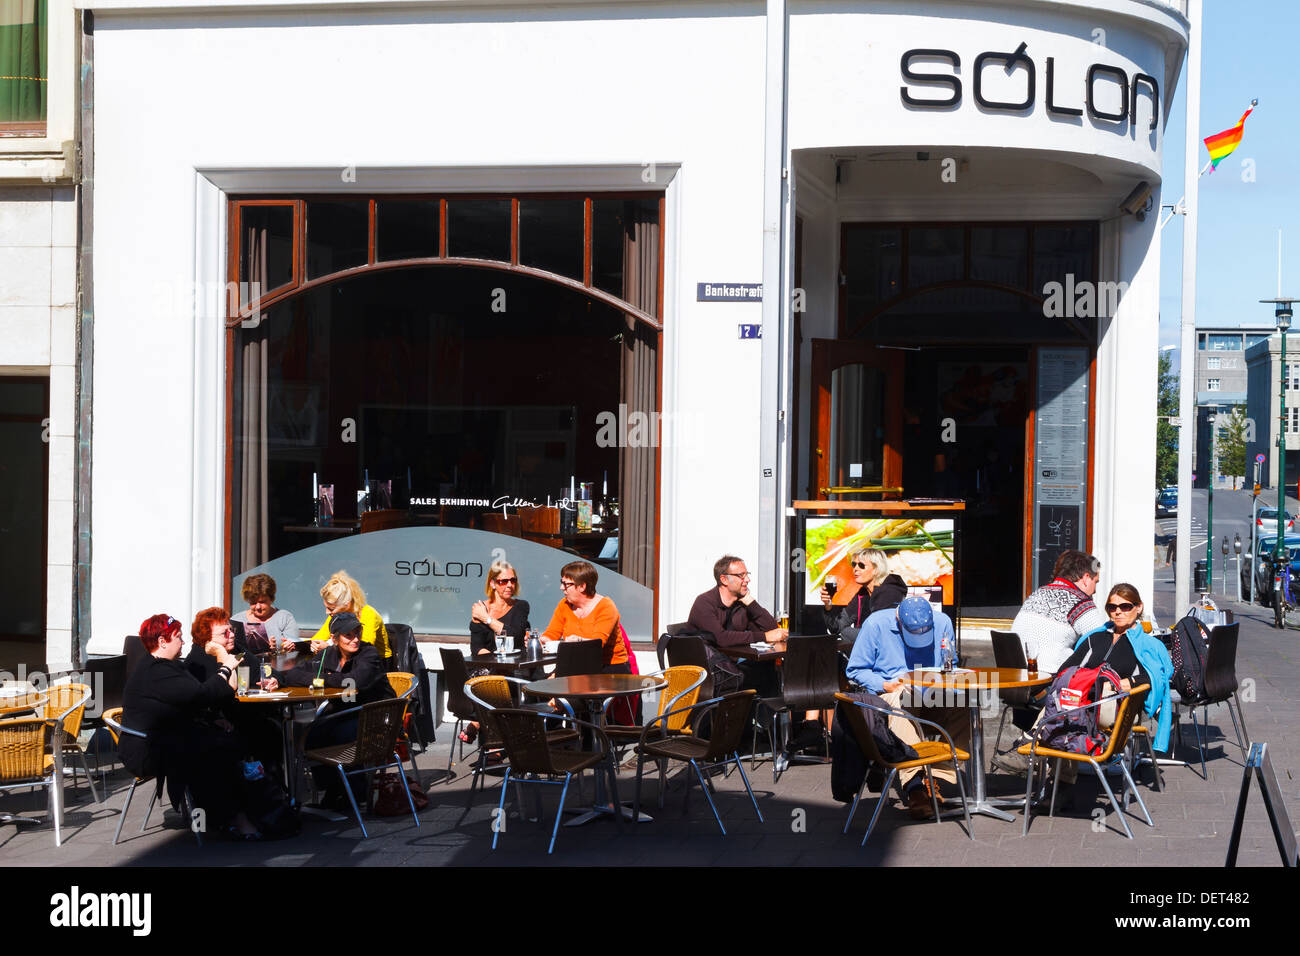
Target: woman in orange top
[584, 615]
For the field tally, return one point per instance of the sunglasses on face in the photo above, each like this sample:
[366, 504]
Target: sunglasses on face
[860, 565]
[1125, 607]
[502, 582]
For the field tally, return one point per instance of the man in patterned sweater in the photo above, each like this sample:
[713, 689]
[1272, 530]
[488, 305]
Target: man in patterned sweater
[1054, 617]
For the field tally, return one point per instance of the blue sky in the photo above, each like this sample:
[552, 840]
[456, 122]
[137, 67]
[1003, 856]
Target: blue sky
[1248, 52]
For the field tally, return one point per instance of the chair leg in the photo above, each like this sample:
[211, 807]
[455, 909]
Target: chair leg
[1056, 782]
[1128, 777]
[1241, 714]
[157, 797]
[613, 793]
[997, 741]
[125, 807]
[1199, 743]
[347, 788]
[748, 788]
[89, 779]
[708, 796]
[188, 801]
[499, 823]
[405, 789]
[934, 794]
[636, 802]
[961, 788]
[52, 809]
[663, 780]
[857, 797]
[1101, 775]
[880, 802]
[559, 814]
[1029, 791]
[1240, 743]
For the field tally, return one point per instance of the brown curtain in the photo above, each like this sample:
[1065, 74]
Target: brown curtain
[636, 470]
[253, 548]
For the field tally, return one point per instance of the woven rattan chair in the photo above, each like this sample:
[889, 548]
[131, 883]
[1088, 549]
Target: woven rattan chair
[1129, 705]
[375, 748]
[729, 717]
[928, 753]
[403, 685]
[497, 692]
[25, 763]
[683, 691]
[531, 755]
[67, 704]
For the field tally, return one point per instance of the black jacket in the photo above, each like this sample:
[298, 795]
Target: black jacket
[848, 763]
[890, 593]
[162, 699]
[482, 637]
[364, 673]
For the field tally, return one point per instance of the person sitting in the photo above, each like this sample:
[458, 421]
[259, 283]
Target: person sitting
[348, 663]
[728, 615]
[163, 700]
[584, 615]
[501, 614]
[267, 628]
[211, 626]
[342, 594]
[890, 643]
[1055, 616]
[878, 590]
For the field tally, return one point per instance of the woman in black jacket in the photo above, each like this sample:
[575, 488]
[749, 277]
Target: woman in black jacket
[166, 703]
[877, 591]
[502, 614]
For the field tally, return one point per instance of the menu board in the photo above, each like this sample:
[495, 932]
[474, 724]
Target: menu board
[1060, 456]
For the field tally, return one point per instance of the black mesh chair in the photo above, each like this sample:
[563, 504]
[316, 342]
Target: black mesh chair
[661, 645]
[134, 650]
[107, 679]
[455, 674]
[689, 649]
[575, 658]
[810, 680]
[1008, 651]
[1220, 688]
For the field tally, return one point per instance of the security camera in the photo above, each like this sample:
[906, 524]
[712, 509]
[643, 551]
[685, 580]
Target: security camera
[1137, 202]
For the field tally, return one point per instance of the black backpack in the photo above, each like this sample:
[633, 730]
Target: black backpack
[1187, 650]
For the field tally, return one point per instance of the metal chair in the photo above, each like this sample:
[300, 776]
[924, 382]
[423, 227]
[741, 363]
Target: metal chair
[24, 762]
[67, 705]
[929, 752]
[456, 673]
[1009, 651]
[575, 658]
[403, 685]
[497, 692]
[810, 681]
[113, 721]
[375, 748]
[1220, 688]
[689, 650]
[1129, 705]
[682, 692]
[729, 716]
[530, 756]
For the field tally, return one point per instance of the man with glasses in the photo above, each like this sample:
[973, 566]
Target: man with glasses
[1054, 617]
[728, 613]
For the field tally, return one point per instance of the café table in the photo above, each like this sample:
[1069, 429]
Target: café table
[511, 663]
[19, 698]
[288, 698]
[775, 651]
[593, 690]
[967, 686]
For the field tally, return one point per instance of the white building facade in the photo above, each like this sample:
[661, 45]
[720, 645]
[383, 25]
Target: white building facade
[477, 231]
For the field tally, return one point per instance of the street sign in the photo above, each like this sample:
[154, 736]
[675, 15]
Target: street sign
[1259, 459]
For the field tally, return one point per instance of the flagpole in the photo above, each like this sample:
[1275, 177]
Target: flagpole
[1187, 358]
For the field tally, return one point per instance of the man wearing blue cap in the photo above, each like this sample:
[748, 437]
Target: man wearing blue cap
[891, 643]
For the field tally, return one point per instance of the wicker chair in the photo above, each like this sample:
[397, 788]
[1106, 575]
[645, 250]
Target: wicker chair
[24, 762]
[490, 692]
[375, 748]
[404, 685]
[67, 705]
[530, 754]
[729, 719]
[113, 721]
[683, 691]
[1129, 706]
[928, 752]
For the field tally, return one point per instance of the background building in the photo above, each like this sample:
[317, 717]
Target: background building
[1220, 387]
[1264, 371]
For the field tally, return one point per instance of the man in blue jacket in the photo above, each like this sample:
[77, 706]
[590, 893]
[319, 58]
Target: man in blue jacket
[891, 643]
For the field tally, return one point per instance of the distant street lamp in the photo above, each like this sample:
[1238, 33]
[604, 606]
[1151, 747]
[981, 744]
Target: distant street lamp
[1282, 315]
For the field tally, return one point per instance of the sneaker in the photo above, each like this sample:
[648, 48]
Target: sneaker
[919, 804]
[1016, 764]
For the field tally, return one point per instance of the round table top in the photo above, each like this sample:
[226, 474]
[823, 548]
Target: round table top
[507, 665]
[977, 678]
[595, 685]
[26, 697]
[292, 695]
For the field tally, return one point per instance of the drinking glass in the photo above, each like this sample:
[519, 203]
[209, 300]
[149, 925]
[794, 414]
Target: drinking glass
[501, 645]
[1031, 658]
[242, 671]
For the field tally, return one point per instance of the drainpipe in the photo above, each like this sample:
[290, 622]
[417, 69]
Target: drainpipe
[85, 336]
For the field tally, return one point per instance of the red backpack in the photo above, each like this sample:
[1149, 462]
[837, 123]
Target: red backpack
[1064, 726]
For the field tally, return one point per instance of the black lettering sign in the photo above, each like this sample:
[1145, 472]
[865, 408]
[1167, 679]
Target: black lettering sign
[1011, 61]
[1142, 79]
[1052, 106]
[1101, 69]
[953, 82]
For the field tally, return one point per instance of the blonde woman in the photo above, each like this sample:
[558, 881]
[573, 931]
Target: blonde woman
[500, 614]
[343, 595]
[877, 590]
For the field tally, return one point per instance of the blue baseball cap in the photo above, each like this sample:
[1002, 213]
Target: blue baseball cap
[916, 621]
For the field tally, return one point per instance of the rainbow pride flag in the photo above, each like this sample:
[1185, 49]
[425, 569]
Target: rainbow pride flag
[1221, 144]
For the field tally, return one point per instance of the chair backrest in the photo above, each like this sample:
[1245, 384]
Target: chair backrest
[1009, 651]
[689, 649]
[575, 658]
[683, 690]
[1221, 663]
[661, 645]
[729, 719]
[493, 690]
[402, 640]
[854, 713]
[113, 714]
[498, 523]
[69, 702]
[377, 731]
[811, 671]
[109, 680]
[401, 682]
[455, 673]
[383, 518]
[523, 735]
[541, 525]
[134, 650]
[22, 749]
[1125, 714]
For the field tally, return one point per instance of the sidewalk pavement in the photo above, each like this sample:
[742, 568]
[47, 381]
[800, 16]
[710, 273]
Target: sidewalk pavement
[802, 824]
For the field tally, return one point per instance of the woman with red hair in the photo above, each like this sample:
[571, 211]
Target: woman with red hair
[164, 701]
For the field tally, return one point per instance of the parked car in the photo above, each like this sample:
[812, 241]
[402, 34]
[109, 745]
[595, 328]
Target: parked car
[1263, 567]
[1166, 502]
[1266, 522]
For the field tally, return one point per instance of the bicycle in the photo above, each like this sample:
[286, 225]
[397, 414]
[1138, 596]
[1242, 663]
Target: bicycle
[1286, 606]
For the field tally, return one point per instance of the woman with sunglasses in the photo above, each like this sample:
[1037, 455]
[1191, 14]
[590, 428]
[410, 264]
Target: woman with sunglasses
[501, 614]
[1112, 642]
[877, 591]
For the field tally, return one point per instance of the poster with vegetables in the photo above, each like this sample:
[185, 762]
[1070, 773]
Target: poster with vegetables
[920, 552]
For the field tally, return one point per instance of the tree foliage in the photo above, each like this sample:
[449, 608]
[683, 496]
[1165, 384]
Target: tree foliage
[1166, 433]
[1231, 446]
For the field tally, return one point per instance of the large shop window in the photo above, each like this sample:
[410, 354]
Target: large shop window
[445, 394]
[24, 67]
